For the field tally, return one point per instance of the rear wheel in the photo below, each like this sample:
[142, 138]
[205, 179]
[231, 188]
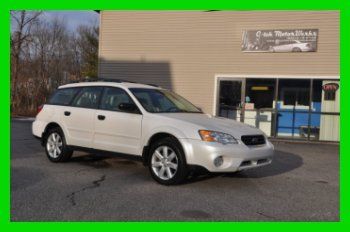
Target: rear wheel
[167, 162]
[56, 147]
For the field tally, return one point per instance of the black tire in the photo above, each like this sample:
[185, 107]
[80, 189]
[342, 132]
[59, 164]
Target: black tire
[65, 153]
[182, 169]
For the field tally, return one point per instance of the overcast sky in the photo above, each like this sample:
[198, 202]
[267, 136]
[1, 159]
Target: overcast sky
[72, 18]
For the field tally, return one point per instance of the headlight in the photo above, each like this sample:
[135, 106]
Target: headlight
[214, 136]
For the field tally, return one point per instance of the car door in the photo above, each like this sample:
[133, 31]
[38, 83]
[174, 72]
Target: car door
[116, 129]
[284, 48]
[78, 118]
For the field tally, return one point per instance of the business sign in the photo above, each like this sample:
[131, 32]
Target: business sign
[296, 40]
[330, 87]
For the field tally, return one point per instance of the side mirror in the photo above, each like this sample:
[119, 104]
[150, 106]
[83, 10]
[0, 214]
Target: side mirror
[128, 107]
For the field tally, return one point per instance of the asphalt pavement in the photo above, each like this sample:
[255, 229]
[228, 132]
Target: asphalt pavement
[302, 184]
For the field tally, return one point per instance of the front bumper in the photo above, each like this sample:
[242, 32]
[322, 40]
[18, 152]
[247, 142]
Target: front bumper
[236, 157]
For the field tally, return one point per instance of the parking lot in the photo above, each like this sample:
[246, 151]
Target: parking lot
[302, 184]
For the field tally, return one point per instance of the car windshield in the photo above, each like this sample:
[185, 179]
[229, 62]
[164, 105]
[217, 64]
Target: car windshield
[163, 101]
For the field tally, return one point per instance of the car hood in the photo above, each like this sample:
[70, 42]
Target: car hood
[209, 122]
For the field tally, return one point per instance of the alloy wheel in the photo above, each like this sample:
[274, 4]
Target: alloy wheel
[164, 162]
[54, 145]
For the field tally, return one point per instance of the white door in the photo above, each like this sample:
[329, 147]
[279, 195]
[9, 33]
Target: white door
[78, 118]
[329, 126]
[117, 123]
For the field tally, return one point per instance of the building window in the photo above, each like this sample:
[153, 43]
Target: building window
[295, 96]
[292, 113]
[260, 93]
[329, 96]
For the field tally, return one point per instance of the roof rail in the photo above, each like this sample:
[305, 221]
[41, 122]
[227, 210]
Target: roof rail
[103, 79]
[111, 80]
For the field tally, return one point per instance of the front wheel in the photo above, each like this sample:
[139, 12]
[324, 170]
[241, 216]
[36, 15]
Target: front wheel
[167, 162]
[296, 49]
[56, 147]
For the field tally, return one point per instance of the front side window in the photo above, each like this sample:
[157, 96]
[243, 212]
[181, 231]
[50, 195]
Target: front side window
[63, 96]
[88, 97]
[163, 101]
[113, 97]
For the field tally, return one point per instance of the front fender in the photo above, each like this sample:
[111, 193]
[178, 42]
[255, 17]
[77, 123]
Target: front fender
[162, 129]
[178, 134]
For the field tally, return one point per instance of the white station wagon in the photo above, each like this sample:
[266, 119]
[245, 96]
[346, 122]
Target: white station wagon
[167, 132]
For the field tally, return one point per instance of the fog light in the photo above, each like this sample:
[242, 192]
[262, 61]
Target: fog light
[218, 161]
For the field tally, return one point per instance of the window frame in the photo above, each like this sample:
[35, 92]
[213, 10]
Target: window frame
[138, 111]
[80, 88]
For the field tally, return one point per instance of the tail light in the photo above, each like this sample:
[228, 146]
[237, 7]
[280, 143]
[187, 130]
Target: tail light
[40, 108]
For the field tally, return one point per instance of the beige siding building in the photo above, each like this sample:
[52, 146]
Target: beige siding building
[216, 60]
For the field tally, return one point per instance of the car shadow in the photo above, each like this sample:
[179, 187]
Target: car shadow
[104, 160]
[283, 162]
[91, 160]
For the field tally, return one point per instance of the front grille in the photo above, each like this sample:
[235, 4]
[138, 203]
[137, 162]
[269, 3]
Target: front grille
[251, 140]
[246, 163]
[261, 161]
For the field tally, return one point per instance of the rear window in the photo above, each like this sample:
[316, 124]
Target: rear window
[63, 96]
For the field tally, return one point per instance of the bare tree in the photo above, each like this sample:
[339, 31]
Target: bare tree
[22, 22]
[88, 46]
[55, 56]
[46, 54]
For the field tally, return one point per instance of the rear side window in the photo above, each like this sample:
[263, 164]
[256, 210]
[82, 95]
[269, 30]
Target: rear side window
[88, 97]
[63, 96]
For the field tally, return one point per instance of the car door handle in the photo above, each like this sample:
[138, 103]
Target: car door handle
[67, 113]
[101, 117]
